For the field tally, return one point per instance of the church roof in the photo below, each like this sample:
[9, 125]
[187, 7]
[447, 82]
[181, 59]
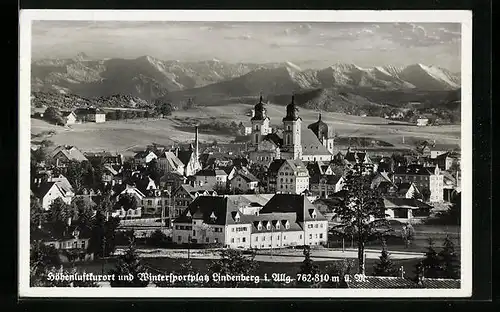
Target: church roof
[311, 144]
[319, 127]
[292, 111]
[260, 111]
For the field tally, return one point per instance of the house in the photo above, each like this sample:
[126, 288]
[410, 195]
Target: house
[324, 186]
[172, 180]
[69, 118]
[72, 246]
[444, 161]
[422, 122]
[319, 167]
[169, 162]
[144, 157]
[156, 202]
[408, 190]
[133, 191]
[243, 181]
[288, 176]
[111, 176]
[90, 114]
[64, 154]
[285, 220]
[47, 192]
[247, 131]
[379, 178]
[425, 179]
[406, 209]
[185, 194]
[213, 178]
[359, 161]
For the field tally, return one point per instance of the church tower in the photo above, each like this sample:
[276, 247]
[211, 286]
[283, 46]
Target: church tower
[260, 123]
[324, 135]
[292, 145]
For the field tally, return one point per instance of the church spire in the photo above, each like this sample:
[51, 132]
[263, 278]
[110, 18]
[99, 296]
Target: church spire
[319, 117]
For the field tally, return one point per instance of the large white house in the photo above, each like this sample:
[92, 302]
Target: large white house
[285, 220]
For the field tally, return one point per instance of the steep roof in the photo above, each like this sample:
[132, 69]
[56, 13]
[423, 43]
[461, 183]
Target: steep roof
[292, 203]
[41, 190]
[174, 161]
[415, 169]
[71, 152]
[185, 156]
[328, 179]
[311, 144]
[275, 165]
[210, 172]
[247, 176]
[274, 219]
[245, 200]
[297, 165]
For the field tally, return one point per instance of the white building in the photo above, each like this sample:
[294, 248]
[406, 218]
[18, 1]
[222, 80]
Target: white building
[288, 176]
[285, 220]
[422, 122]
[214, 178]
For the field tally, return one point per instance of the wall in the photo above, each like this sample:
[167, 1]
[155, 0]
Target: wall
[276, 239]
[315, 232]
[236, 238]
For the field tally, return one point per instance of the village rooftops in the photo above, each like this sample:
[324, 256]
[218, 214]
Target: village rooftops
[311, 145]
[296, 165]
[247, 176]
[326, 179]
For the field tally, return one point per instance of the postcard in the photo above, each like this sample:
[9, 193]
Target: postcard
[247, 154]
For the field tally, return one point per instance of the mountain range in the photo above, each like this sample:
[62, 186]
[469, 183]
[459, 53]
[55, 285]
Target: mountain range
[149, 78]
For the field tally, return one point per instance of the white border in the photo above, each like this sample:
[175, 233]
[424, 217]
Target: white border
[27, 16]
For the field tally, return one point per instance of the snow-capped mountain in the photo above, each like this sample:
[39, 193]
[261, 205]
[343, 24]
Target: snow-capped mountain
[150, 78]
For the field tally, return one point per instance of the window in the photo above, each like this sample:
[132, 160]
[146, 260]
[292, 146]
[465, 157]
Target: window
[263, 238]
[300, 236]
[232, 229]
[310, 236]
[281, 180]
[321, 235]
[316, 235]
[150, 202]
[321, 225]
[232, 240]
[207, 240]
[83, 244]
[244, 239]
[238, 239]
[256, 238]
[194, 233]
[316, 225]
[284, 237]
[179, 238]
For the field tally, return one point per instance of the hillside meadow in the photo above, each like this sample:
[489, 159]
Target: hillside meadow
[126, 136]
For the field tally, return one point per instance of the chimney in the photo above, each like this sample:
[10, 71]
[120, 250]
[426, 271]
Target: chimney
[196, 141]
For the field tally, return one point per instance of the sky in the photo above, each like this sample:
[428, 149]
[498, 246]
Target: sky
[310, 45]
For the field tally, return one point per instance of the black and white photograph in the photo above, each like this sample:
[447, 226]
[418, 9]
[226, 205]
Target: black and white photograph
[245, 153]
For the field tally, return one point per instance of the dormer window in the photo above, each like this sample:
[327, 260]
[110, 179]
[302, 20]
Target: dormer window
[277, 225]
[287, 225]
[259, 226]
[268, 226]
[313, 213]
[213, 217]
[188, 214]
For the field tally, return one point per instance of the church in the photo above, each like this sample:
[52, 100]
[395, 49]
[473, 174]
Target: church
[314, 143]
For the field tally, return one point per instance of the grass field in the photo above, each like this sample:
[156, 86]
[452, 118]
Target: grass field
[126, 135]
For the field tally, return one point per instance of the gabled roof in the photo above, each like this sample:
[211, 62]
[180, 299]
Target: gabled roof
[143, 154]
[192, 189]
[43, 189]
[63, 182]
[405, 186]
[71, 152]
[185, 156]
[244, 200]
[247, 176]
[297, 165]
[110, 169]
[292, 203]
[274, 138]
[275, 165]
[173, 160]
